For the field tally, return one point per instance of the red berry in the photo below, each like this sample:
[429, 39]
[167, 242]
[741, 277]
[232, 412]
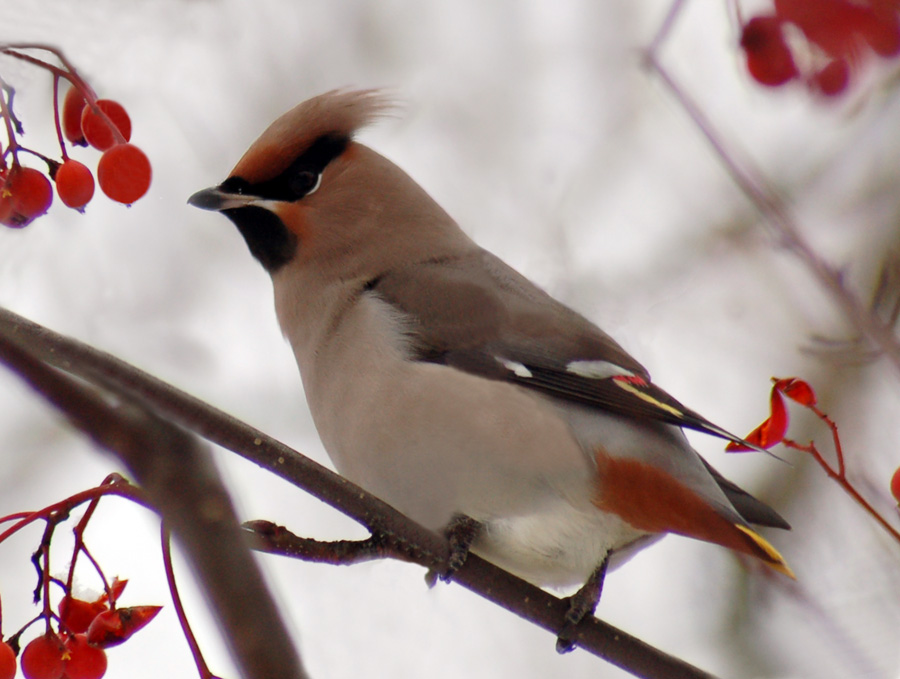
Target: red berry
[26, 194]
[6, 203]
[78, 614]
[117, 587]
[74, 184]
[880, 27]
[97, 132]
[769, 60]
[107, 630]
[7, 661]
[114, 627]
[124, 173]
[73, 105]
[84, 661]
[833, 78]
[830, 24]
[797, 390]
[895, 485]
[43, 658]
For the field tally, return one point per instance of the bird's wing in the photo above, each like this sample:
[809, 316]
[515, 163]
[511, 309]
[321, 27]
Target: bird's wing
[474, 313]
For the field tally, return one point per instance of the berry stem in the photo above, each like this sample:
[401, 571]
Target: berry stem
[838, 448]
[12, 145]
[15, 517]
[96, 565]
[68, 71]
[840, 474]
[59, 133]
[202, 667]
[43, 568]
[13, 639]
[50, 162]
[11, 93]
[120, 487]
[80, 546]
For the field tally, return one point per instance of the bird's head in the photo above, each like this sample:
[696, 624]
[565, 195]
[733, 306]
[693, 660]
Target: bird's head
[305, 190]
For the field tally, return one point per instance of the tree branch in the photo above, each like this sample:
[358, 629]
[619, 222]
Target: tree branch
[178, 475]
[409, 539]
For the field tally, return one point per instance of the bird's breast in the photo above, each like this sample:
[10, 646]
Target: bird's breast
[428, 438]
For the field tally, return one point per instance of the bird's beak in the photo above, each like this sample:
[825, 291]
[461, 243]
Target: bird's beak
[216, 199]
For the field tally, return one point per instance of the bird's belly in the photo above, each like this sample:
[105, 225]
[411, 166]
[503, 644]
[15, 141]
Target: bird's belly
[559, 546]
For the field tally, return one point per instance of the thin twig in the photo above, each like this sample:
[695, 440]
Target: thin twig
[772, 207]
[202, 668]
[840, 474]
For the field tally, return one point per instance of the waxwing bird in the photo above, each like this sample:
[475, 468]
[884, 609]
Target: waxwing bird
[447, 384]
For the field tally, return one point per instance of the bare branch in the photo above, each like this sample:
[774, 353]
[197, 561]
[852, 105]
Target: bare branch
[181, 481]
[274, 539]
[389, 527]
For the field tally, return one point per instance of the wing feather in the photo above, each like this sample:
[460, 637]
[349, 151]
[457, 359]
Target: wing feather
[483, 317]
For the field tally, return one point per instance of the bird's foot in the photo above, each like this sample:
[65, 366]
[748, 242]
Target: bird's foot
[461, 532]
[581, 605]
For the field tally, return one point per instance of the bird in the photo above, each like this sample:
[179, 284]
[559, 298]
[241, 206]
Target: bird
[449, 385]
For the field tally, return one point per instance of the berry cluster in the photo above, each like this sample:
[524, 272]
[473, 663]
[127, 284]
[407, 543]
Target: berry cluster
[773, 431]
[75, 646]
[820, 43]
[52, 657]
[123, 171]
[78, 651]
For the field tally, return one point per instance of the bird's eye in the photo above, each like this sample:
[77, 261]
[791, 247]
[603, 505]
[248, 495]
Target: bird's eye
[235, 185]
[305, 182]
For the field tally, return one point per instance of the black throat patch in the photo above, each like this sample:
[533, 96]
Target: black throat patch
[269, 240]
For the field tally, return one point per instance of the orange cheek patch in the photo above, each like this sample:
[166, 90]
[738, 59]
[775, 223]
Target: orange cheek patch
[294, 217]
[650, 499]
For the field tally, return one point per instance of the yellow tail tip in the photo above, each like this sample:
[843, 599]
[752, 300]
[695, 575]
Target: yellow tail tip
[770, 555]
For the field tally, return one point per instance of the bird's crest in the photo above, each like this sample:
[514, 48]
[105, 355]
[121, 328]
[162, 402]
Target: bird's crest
[338, 113]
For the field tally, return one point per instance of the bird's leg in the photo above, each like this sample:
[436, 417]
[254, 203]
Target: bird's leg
[461, 532]
[581, 604]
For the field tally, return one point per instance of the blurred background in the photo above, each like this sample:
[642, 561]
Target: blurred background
[535, 125]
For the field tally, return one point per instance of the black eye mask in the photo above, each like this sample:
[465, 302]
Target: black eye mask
[300, 178]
